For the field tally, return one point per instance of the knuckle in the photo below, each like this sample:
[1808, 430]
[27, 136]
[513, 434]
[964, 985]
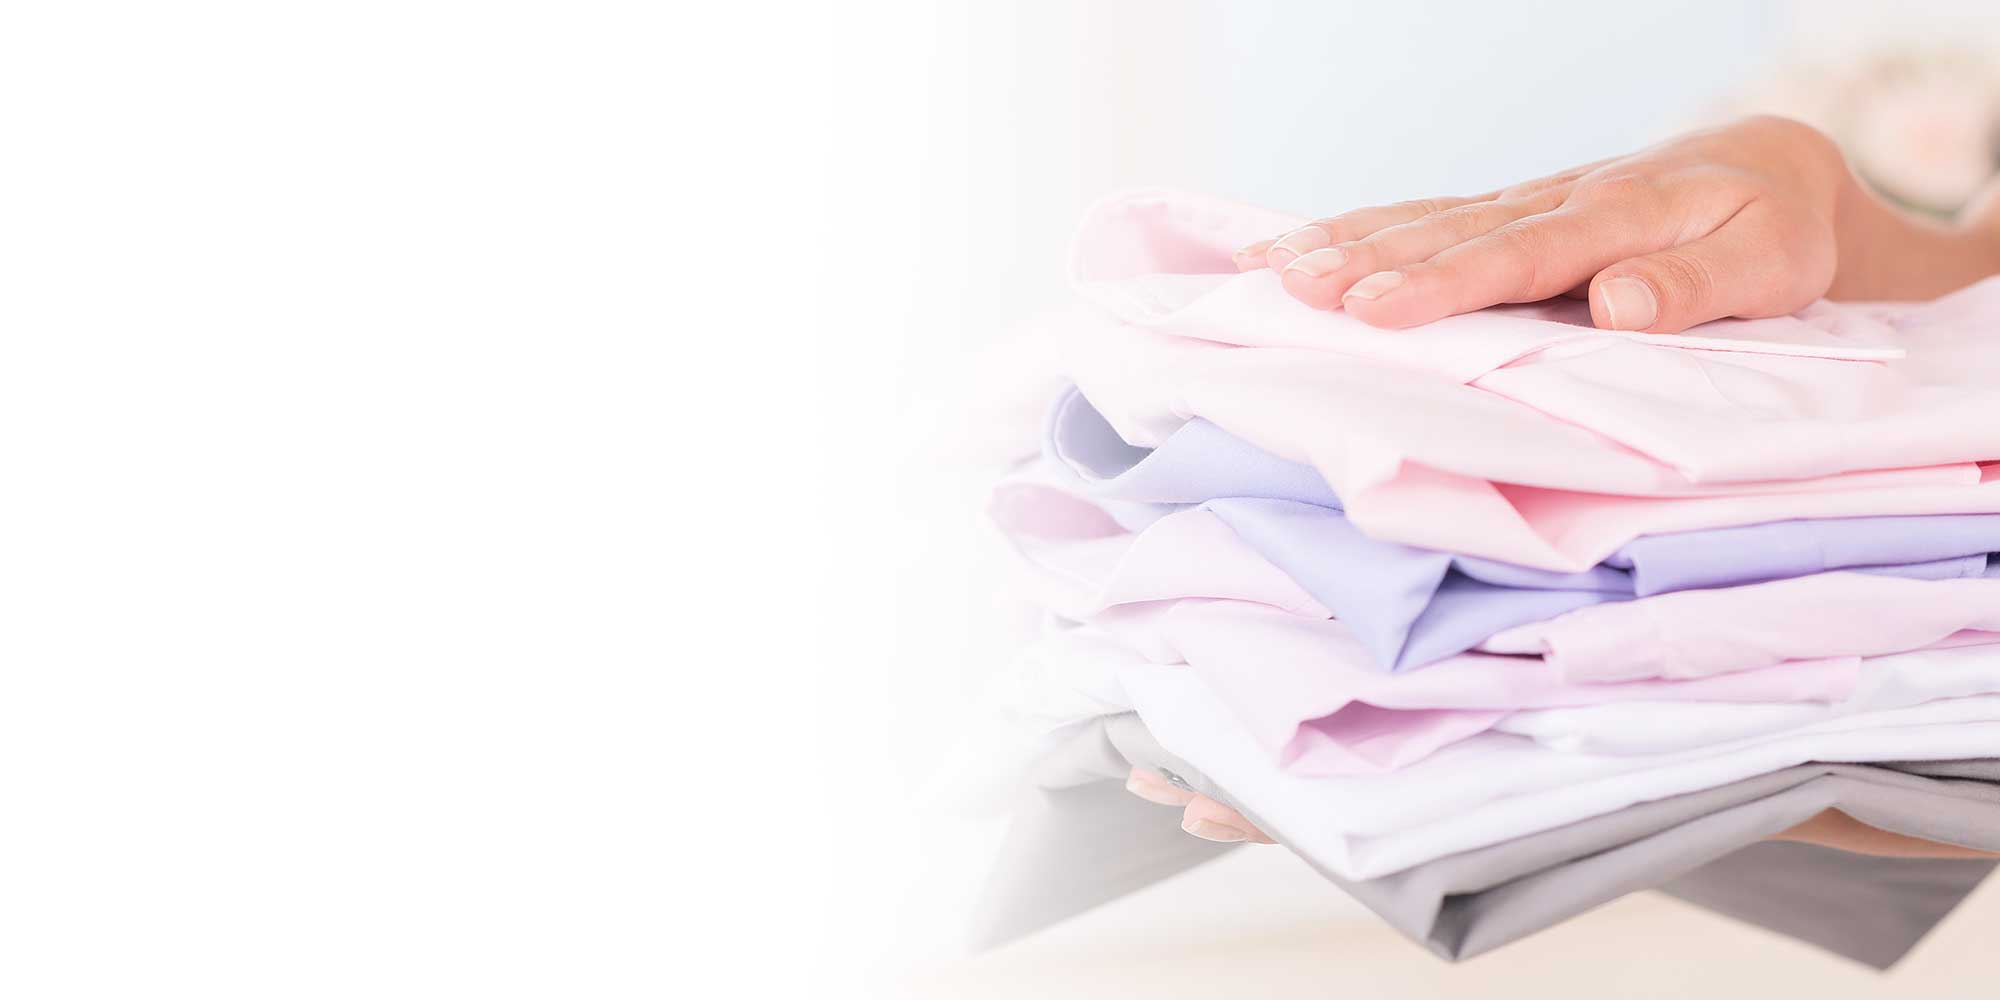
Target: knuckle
[1721, 189]
[1624, 188]
[1331, 225]
[1360, 254]
[1516, 251]
[1529, 189]
[1345, 226]
[1543, 186]
[1683, 276]
[1466, 221]
[1424, 207]
[1455, 225]
[1337, 232]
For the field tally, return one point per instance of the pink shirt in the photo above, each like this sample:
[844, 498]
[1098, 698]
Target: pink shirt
[1696, 633]
[1307, 691]
[1521, 433]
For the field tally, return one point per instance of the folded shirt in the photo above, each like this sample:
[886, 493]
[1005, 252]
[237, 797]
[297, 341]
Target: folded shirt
[1523, 434]
[1303, 690]
[1494, 787]
[1086, 841]
[1695, 633]
[1193, 554]
[1470, 903]
[1900, 680]
[1412, 606]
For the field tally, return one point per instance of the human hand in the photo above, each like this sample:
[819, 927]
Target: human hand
[1200, 815]
[1744, 220]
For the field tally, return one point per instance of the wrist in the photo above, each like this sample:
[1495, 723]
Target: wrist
[1884, 253]
[1980, 221]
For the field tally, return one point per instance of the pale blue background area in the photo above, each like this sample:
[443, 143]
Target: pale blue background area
[1373, 102]
[1037, 108]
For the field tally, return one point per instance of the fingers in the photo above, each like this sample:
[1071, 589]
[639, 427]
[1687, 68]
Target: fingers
[1342, 228]
[1741, 269]
[1638, 279]
[1153, 788]
[1835, 829]
[1204, 817]
[1350, 226]
[1319, 278]
[1564, 179]
[1528, 260]
[1251, 258]
[1211, 820]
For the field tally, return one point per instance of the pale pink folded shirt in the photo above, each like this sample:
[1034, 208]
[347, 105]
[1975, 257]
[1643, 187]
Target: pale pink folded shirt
[1545, 443]
[1696, 633]
[1307, 692]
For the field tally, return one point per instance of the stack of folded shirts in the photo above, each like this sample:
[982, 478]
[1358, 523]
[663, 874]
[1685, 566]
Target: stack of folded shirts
[1500, 618]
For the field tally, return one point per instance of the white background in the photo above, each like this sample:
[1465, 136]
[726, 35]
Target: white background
[477, 508]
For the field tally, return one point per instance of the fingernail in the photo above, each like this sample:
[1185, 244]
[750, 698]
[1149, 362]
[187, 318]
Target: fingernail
[1290, 246]
[1221, 833]
[1629, 304]
[1251, 257]
[1319, 263]
[1375, 285]
[1156, 791]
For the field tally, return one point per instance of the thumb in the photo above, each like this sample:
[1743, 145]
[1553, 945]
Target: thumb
[1735, 271]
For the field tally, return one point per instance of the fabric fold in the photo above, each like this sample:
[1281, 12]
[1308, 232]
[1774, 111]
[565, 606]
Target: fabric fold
[1412, 605]
[1089, 842]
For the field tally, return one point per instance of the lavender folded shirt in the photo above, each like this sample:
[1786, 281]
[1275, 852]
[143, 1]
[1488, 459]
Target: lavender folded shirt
[1411, 606]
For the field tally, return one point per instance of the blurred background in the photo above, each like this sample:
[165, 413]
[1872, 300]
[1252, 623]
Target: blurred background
[963, 140]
